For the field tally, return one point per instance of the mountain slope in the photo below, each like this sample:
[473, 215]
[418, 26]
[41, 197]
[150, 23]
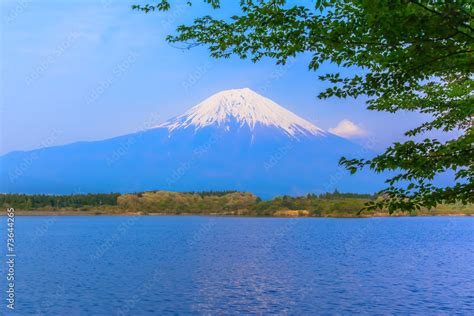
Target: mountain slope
[235, 139]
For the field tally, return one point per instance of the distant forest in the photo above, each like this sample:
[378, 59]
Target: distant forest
[211, 202]
[35, 201]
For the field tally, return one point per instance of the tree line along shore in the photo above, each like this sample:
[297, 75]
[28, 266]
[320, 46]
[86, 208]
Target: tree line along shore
[230, 203]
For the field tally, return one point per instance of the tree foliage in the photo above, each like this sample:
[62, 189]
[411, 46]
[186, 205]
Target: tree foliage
[411, 55]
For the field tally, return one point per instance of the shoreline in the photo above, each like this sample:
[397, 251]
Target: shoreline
[88, 213]
[213, 203]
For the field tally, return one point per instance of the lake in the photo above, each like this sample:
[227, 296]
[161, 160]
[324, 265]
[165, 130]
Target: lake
[228, 265]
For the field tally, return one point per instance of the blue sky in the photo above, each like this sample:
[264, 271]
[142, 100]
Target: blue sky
[88, 70]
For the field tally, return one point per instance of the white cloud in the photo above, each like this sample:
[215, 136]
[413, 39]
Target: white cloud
[348, 129]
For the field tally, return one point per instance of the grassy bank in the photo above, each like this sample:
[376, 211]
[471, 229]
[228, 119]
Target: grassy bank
[229, 203]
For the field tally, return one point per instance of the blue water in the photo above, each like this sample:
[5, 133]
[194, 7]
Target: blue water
[216, 265]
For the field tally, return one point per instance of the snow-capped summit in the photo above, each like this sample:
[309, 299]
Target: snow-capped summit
[245, 107]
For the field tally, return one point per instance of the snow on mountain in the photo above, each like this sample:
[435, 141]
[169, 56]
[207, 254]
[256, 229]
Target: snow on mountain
[247, 108]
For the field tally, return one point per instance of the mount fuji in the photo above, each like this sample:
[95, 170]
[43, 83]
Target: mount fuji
[233, 140]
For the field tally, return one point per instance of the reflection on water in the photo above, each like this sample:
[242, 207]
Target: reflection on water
[212, 265]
